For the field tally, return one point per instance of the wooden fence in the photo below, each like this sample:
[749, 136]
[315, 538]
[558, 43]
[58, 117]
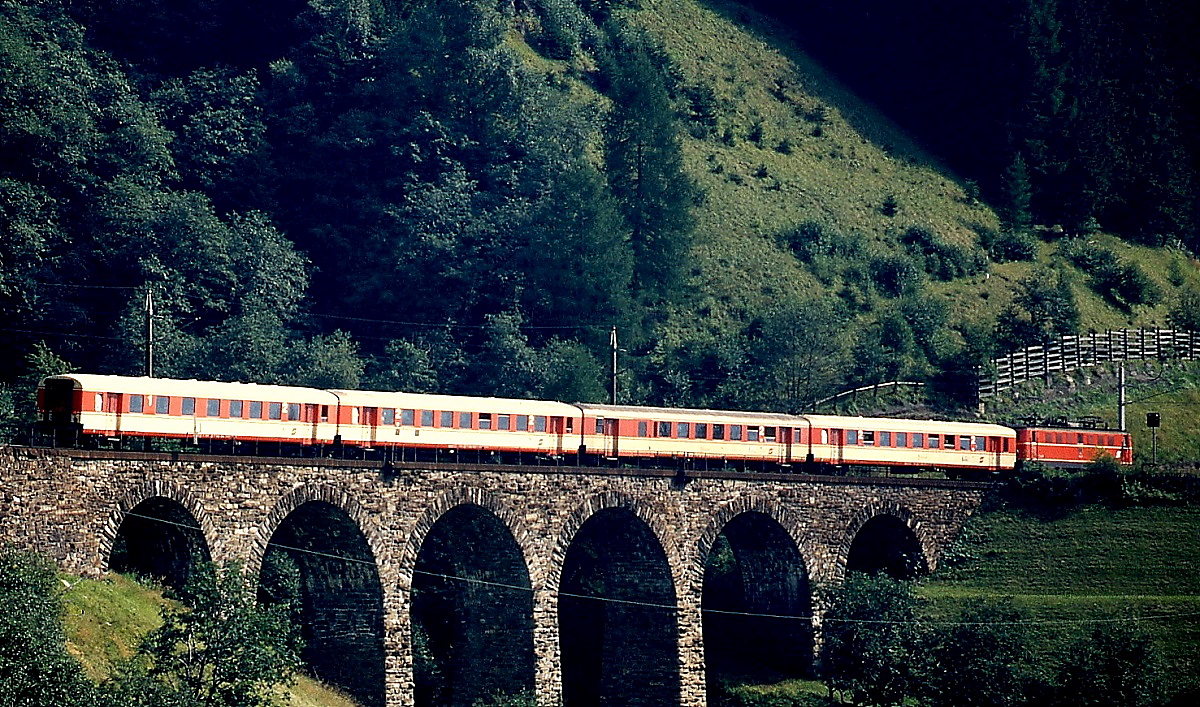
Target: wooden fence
[1073, 352]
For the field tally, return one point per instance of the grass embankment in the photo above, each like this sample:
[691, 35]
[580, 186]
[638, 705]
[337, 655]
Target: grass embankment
[106, 619]
[1136, 565]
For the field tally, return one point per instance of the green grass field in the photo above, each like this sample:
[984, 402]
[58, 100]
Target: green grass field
[1131, 565]
[107, 618]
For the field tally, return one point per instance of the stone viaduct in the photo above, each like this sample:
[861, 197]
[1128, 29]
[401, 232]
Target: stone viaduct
[437, 585]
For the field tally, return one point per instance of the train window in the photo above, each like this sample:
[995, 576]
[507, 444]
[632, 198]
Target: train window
[353, 415]
[235, 408]
[446, 419]
[868, 437]
[427, 418]
[255, 410]
[324, 412]
[294, 412]
[701, 430]
[214, 408]
[769, 433]
[918, 440]
[643, 429]
[408, 417]
[523, 423]
[388, 414]
[465, 420]
[718, 431]
[135, 403]
[275, 411]
[964, 443]
[824, 436]
[735, 432]
[752, 433]
[162, 405]
[570, 425]
[664, 429]
[539, 423]
[682, 430]
[980, 444]
[885, 439]
[901, 439]
[189, 406]
[851, 436]
[599, 425]
[503, 422]
[935, 441]
[485, 420]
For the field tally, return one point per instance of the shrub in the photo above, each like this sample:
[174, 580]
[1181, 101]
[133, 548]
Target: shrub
[942, 260]
[1009, 246]
[895, 275]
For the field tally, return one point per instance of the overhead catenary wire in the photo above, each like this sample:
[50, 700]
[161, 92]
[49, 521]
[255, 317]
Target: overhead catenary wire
[749, 614]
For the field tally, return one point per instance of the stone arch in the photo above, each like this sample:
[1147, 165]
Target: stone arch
[787, 518]
[320, 541]
[203, 532]
[463, 625]
[445, 502]
[926, 544]
[756, 592]
[617, 581]
[611, 500]
[307, 493]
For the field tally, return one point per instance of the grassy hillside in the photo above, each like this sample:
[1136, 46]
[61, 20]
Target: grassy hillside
[106, 619]
[790, 145]
[1095, 565]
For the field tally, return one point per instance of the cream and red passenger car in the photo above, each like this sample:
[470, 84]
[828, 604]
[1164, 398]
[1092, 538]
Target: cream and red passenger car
[913, 445]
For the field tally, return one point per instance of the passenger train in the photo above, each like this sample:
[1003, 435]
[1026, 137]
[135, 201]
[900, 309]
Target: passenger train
[119, 410]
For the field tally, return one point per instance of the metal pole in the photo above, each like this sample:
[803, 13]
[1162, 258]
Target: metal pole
[1121, 397]
[149, 333]
[612, 340]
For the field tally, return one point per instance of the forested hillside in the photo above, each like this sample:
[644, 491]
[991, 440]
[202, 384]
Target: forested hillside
[466, 197]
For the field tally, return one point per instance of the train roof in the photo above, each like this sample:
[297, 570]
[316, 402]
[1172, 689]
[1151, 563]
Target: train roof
[457, 403]
[896, 424]
[142, 385]
[662, 412]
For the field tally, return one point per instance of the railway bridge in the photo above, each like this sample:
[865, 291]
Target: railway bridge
[438, 584]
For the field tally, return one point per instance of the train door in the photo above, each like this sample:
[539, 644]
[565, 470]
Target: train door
[611, 437]
[310, 418]
[370, 418]
[838, 439]
[995, 445]
[558, 428]
[786, 440]
[113, 403]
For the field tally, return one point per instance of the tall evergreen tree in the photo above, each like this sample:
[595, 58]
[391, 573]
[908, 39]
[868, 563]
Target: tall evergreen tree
[645, 162]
